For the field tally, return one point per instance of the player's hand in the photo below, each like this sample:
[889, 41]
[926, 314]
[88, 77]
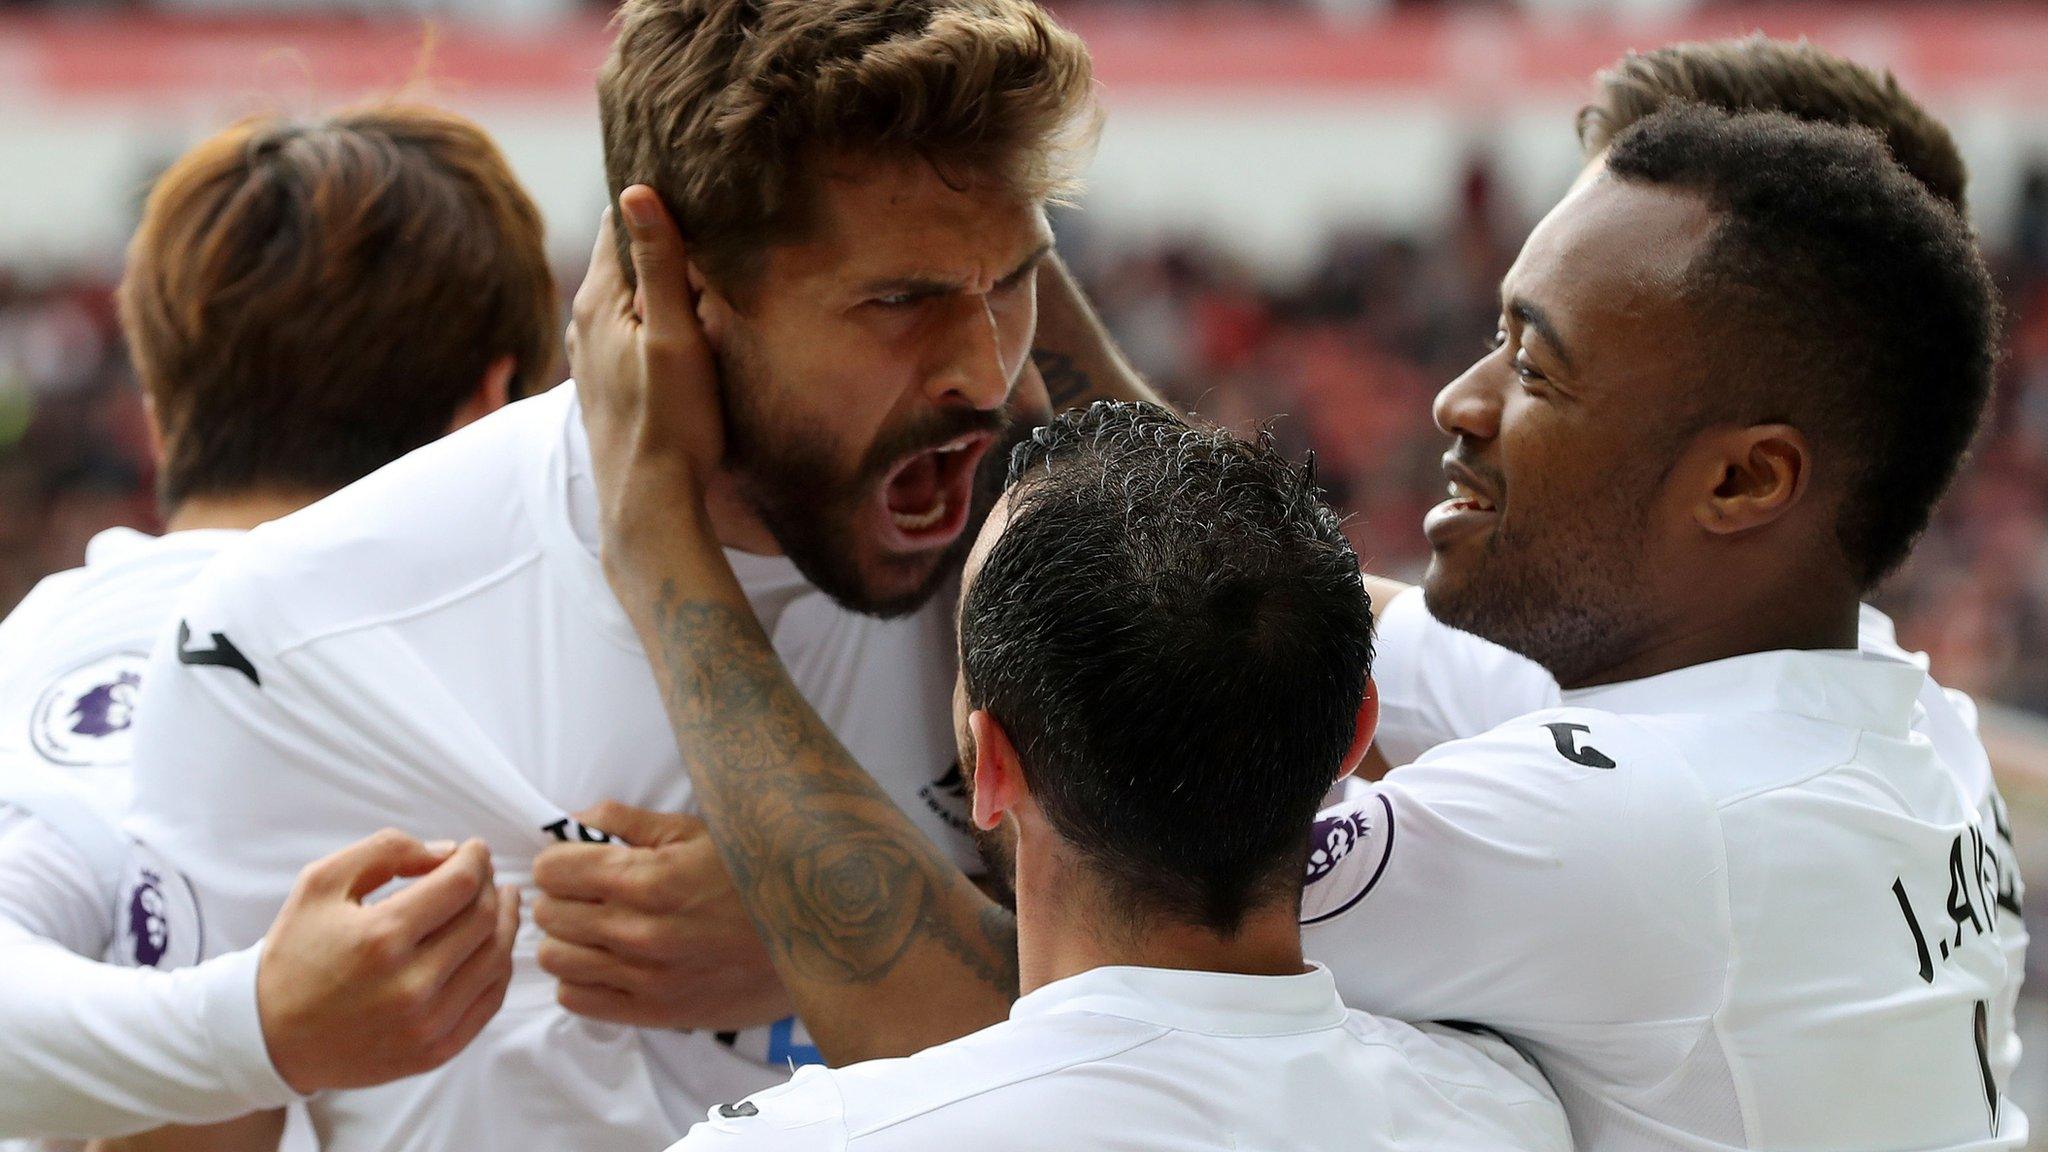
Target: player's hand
[645, 375]
[650, 932]
[353, 994]
[1030, 404]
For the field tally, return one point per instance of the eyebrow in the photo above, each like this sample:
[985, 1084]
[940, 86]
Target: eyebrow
[934, 286]
[1538, 319]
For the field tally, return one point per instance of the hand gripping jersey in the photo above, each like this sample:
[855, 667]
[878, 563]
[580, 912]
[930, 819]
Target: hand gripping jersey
[1739, 905]
[1158, 1060]
[105, 1048]
[435, 649]
[1437, 684]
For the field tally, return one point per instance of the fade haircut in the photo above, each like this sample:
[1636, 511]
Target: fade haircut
[1172, 630]
[306, 301]
[1835, 294]
[1758, 74]
[732, 109]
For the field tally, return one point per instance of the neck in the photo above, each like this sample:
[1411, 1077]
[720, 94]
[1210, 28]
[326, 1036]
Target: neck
[1703, 633]
[1069, 923]
[240, 511]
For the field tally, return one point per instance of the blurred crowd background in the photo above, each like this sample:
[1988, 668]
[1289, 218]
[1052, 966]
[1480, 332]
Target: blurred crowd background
[1347, 354]
[555, 9]
[1300, 210]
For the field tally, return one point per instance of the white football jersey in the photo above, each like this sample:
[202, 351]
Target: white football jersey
[72, 656]
[104, 1049]
[434, 648]
[1438, 683]
[1739, 905]
[1159, 1060]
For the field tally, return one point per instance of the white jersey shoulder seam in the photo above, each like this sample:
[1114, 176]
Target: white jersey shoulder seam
[414, 611]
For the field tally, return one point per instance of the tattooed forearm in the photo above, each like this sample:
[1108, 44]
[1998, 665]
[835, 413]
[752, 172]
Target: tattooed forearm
[1065, 382]
[838, 880]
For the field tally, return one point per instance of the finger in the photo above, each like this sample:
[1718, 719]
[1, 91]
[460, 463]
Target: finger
[604, 286]
[1031, 400]
[485, 967]
[571, 920]
[580, 871]
[455, 888]
[609, 1005]
[438, 957]
[473, 1019]
[576, 964]
[610, 927]
[660, 265]
[641, 827]
[370, 863]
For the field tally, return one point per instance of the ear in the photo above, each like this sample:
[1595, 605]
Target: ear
[493, 392]
[714, 310]
[1752, 476]
[999, 787]
[1368, 722]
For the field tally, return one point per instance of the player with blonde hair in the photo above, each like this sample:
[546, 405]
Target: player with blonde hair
[435, 647]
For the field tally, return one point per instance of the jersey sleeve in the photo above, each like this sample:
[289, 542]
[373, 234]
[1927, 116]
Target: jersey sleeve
[1438, 684]
[97, 1050]
[806, 1114]
[1559, 873]
[48, 888]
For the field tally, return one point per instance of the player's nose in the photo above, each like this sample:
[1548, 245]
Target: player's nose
[1470, 405]
[969, 371]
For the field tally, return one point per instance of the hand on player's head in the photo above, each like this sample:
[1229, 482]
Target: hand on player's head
[650, 932]
[644, 372]
[353, 994]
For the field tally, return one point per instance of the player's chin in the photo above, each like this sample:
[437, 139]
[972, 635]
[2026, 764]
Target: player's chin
[894, 583]
[1447, 583]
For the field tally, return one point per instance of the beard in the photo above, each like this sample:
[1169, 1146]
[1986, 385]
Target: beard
[1570, 596]
[788, 474]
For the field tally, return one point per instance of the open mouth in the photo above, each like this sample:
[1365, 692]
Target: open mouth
[1464, 499]
[925, 497]
[1468, 511]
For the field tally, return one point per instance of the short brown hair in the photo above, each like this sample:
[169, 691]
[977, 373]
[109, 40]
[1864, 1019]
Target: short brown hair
[1758, 74]
[719, 105]
[306, 301]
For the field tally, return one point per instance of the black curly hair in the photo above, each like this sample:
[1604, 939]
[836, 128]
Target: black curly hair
[1837, 295]
[1172, 631]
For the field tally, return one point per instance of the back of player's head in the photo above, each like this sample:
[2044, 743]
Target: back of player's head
[1172, 631]
[306, 301]
[1758, 74]
[1837, 295]
[730, 109]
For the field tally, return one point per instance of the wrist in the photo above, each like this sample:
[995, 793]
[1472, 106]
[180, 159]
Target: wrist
[661, 518]
[275, 1030]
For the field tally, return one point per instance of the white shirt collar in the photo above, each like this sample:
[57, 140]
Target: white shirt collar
[1210, 1003]
[1838, 686]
